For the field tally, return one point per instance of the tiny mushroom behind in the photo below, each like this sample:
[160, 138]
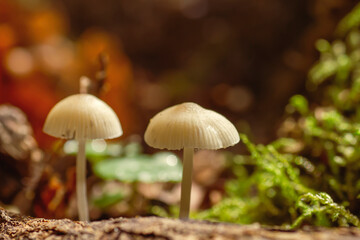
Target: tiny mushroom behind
[188, 126]
[82, 116]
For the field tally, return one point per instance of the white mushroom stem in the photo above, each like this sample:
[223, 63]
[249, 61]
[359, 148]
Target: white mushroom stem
[81, 182]
[186, 183]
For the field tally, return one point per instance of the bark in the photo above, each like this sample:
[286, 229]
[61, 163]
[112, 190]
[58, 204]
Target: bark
[15, 226]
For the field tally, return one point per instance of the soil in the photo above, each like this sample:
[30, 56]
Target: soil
[15, 226]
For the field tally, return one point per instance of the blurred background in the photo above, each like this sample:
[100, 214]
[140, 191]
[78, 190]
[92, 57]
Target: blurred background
[243, 59]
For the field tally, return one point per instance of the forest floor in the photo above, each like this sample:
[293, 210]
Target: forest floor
[15, 226]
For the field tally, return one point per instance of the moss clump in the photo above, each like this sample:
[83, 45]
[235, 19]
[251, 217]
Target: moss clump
[311, 174]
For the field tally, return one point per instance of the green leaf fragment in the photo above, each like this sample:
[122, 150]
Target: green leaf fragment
[161, 167]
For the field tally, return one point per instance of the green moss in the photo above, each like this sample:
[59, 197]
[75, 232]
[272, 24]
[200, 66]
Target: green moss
[311, 174]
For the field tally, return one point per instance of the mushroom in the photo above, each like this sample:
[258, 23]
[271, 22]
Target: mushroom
[82, 116]
[188, 126]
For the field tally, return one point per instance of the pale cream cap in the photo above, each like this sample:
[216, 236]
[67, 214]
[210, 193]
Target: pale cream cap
[82, 116]
[189, 125]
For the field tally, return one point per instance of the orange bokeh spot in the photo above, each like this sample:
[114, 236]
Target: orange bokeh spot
[7, 36]
[45, 24]
[35, 98]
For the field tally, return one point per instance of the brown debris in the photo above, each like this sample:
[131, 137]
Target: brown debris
[16, 138]
[14, 226]
[21, 160]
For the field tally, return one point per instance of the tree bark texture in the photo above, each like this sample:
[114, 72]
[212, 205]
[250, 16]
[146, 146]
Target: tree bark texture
[15, 226]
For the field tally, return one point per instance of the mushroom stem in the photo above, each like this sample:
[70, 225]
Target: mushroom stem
[186, 183]
[81, 182]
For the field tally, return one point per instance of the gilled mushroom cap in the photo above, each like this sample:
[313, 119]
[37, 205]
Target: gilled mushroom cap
[82, 116]
[189, 125]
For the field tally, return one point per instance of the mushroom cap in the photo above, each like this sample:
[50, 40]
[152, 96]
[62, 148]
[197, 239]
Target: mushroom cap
[189, 125]
[82, 116]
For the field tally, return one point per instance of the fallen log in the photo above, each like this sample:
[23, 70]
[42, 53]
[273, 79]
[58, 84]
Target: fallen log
[15, 226]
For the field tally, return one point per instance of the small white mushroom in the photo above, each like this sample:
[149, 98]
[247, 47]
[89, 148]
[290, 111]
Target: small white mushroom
[81, 117]
[188, 126]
